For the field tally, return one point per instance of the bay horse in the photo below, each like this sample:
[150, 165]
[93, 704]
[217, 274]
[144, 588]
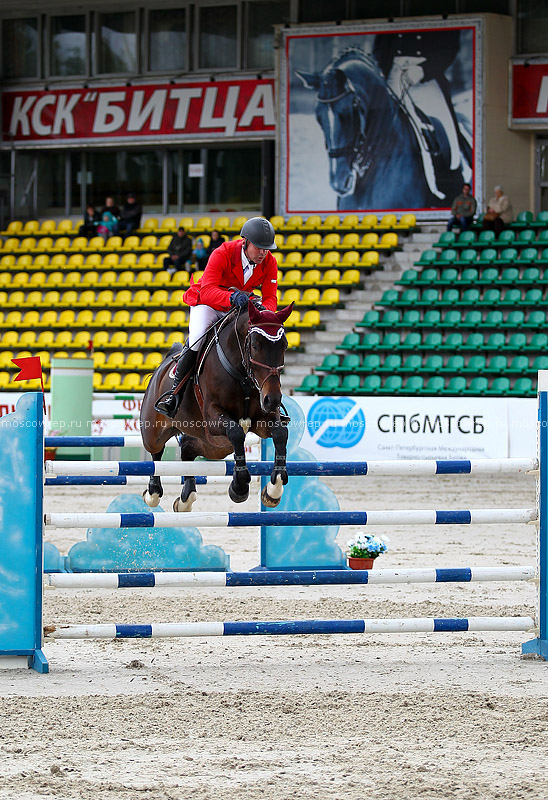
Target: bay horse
[236, 388]
[383, 151]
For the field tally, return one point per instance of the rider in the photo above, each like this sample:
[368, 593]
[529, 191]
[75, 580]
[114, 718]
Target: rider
[234, 269]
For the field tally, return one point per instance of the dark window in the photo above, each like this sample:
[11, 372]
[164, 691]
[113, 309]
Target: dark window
[532, 26]
[218, 37]
[376, 9]
[68, 45]
[484, 6]
[260, 31]
[322, 10]
[167, 39]
[20, 48]
[117, 42]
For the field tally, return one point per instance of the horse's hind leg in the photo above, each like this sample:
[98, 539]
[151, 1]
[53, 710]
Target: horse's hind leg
[153, 494]
[272, 493]
[189, 450]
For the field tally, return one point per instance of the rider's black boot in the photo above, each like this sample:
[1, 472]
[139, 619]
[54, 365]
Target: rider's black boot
[169, 403]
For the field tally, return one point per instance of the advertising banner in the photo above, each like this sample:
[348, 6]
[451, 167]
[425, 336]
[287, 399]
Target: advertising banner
[229, 109]
[380, 117]
[529, 93]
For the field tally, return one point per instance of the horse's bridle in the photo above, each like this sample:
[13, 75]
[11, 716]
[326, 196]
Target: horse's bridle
[247, 361]
[356, 150]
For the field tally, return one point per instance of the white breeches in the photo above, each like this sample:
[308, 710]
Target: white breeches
[201, 317]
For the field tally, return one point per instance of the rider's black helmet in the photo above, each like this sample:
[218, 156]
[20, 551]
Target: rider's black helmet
[259, 232]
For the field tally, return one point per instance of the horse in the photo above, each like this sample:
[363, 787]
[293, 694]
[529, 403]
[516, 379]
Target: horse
[236, 388]
[384, 152]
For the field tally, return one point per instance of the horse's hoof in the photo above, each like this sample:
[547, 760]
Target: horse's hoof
[178, 504]
[272, 493]
[237, 498]
[151, 500]
[268, 501]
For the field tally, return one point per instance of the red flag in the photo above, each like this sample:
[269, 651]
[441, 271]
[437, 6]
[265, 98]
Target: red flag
[30, 367]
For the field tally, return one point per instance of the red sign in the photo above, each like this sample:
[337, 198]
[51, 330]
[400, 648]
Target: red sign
[530, 94]
[231, 109]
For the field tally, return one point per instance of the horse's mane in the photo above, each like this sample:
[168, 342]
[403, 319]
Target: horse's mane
[354, 54]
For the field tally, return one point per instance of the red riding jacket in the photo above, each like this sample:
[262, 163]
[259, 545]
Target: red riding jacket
[224, 273]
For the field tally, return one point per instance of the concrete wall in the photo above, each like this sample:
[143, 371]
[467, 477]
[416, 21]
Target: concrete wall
[508, 155]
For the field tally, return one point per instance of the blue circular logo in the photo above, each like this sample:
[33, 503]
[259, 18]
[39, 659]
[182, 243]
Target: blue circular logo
[336, 422]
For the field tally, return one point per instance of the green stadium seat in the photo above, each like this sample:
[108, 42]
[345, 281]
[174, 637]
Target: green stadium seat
[497, 364]
[536, 319]
[330, 384]
[532, 297]
[370, 341]
[491, 297]
[391, 363]
[411, 341]
[369, 319]
[371, 384]
[531, 275]
[506, 238]
[470, 297]
[413, 385]
[351, 341]
[475, 364]
[495, 341]
[523, 218]
[448, 256]
[478, 386]
[469, 275]
[475, 341]
[517, 341]
[309, 384]
[412, 363]
[466, 239]
[350, 384]
[527, 236]
[430, 297]
[371, 363]
[409, 276]
[410, 296]
[493, 319]
[432, 317]
[390, 318]
[486, 237]
[527, 255]
[487, 256]
[539, 341]
[350, 363]
[456, 386]
[447, 239]
[455, 363]
[508, 256]
[540, 362]
[433, 363]
[499, 387]
[410, 318]
[542, 240]
[391, 385]
[449, 297]
[522, 387]
[510, 275]
[389, 297]
[435, 385]
[453, 341]
[543, 256]
[467, 256]
[519, 364]
[331, 362]
[515, 319]
[428, 276]
[449, 276]
[452, 318]
[472, 319]
[541, 220]
[433, 341]
[427, 259]
[390, 341]
[511, 297]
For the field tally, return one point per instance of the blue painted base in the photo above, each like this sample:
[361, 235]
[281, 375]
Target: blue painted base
[39, 662]
[538, 647]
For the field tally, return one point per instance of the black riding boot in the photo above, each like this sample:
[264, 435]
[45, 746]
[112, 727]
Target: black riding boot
[169, 403]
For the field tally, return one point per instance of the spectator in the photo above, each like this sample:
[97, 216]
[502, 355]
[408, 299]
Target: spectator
[463, 209]
[199, 253]
[111, 207]
[130, 216]
[499, 212]
[91, 219]
[107, 226]
[216, 241]
[180, 252]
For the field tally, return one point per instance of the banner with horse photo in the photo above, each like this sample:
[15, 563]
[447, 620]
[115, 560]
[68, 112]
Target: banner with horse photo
[380, 117]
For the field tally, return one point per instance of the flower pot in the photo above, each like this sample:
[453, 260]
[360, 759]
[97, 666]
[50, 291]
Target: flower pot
[360, 563]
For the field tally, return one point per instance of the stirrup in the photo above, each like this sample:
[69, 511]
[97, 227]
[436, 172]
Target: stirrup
[168, 404]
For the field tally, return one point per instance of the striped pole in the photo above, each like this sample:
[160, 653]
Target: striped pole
[312, 626]
[334, 468]
[129, 480]
[113, 396]
[99, 441]
[135, 580]
[280, 518]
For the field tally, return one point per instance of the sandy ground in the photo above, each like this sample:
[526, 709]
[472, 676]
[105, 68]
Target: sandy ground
[378, 716]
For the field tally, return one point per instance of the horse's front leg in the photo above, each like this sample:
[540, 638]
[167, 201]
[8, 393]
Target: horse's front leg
[153, 494]
[238, 491]
[272, 492]
[189, 450]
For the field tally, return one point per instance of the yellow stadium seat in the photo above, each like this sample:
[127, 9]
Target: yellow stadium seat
[145, 261]
[294, 222]
[66, 318]
[5, 379]
[118, 339]
[312, 276]
[331, 258]
[44, 243]
[152, 361]
[114, 243]
[293, 259]
[164, 241]
[44, 357]
[312, 241]
[69, 297]
[6, 262]
[130, 243]
[108, 278]
[16, 298]
[161, 278]
[80, 243]
[93, 261]
[388, 221]
[13, 318]
[63, 339]
[177, 319]
[310, 297]
[100, 338]
[330, 297]
[350, 221]
[104, 297]
[65, 226]
[30, 227]
[11, 245]
[134, 361]
[331, 241]
[292, 276]
[41, 261]
[350, 241]
[293, 339]
[388, 240]
[10, 339]
[161, 298]
[291, 296]
[311, 260]
[128, 260]
[369, 259]
[51, 298]
[47, 227]
[203, 224]
[311, 319]
[351, 277]
[72, 278]
[29, 243]
[103, 317]
[279, 240]
[84, 317]
[123, 297]
[121, 317]
[156, 339]
[111, 381]
[148, 243]
[168, 224]
[131, 382]
[157, 318]
[115, 360]
[293, 241]
[81, 338]
[97, 377]
[370, 240]
[62, 243]
[150, 224]
[331, 276]
[14, 227]
[144, 278]
[332, 221]
[109, 261]
[141, 298]
[137, 339]
[95, 243]
[140, 318]
[175, 337]
[293, 320]
[47, 320]
[27, 339]
[222, 223]
[75, 261]
[369, 221]
[313, 222]
[90, 278]
[350, 257]
[34, 299]
[407, 221]
[58, 261]
[277, 222]
[180, 278]
[37, 279]
[126, 278]
[19, 279]
[187, 223]
[238, 223]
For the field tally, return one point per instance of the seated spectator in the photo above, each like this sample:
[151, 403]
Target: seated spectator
[199, 253]
[91, 219]
[111, 207]
[463, 209]
[107, 225]
[180, 252]
[216, 241]
[130, 216]
[499, 212]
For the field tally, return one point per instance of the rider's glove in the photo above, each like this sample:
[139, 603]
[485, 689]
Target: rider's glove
[257, 302]
[239, 299]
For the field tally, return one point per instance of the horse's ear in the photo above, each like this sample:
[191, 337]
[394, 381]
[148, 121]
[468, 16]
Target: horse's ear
[254, 314]
[311, 80]
[284, 313]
